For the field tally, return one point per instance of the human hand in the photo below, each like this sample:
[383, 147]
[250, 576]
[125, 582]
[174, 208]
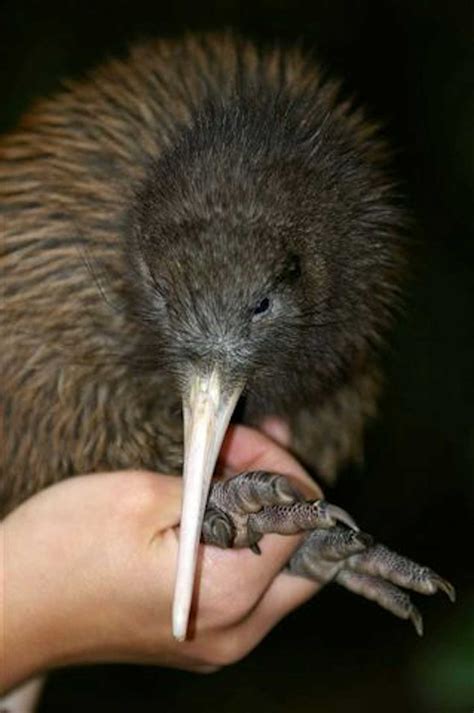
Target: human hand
[90, 567]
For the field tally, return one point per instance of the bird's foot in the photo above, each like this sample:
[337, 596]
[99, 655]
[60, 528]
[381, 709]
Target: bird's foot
[241, 510]
[234, 505]
[374, 572]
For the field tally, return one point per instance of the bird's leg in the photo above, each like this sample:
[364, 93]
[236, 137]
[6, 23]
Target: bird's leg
[241, 510]
[376, 573]
[232, 502]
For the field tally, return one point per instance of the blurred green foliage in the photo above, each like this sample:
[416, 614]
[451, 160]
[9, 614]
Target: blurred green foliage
[443, 673]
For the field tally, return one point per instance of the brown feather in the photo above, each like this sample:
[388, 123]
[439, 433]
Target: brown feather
[74, 395]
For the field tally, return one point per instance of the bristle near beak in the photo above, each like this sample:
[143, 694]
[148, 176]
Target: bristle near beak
[207, 412]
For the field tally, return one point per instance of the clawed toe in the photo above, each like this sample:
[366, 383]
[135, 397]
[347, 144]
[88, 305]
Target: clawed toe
[243, 509]
[340, 515]
[386, 595]
[218, 529]
[373, 571]
[379, 561]
[444, 585]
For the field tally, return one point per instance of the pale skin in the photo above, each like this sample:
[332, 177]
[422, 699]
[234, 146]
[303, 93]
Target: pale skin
[89, 566]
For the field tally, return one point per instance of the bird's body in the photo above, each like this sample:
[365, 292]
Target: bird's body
[252, 155]
[201, 221]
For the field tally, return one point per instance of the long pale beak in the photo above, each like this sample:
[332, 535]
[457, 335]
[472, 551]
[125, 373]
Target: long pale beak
[207, 412]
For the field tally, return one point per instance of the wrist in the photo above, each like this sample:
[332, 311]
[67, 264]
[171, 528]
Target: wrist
[40, 608]
[80, 563]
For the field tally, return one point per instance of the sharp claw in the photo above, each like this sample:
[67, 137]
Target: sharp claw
[446, 587]
[341, 515]
[417, 620]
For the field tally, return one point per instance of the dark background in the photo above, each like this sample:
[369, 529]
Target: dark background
[411, 62]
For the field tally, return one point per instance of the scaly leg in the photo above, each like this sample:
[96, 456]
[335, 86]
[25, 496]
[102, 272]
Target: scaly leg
[241, 510]
[375, 573]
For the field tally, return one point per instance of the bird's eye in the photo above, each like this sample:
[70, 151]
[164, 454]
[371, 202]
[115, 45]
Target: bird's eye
[260, 308]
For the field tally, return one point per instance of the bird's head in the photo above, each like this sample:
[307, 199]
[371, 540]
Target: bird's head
[261, 257]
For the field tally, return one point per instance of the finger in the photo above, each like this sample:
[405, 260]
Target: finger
[278, 430]
[228, 568]
[152, 499]
[247, 449]
[285, 594]
[229, 644]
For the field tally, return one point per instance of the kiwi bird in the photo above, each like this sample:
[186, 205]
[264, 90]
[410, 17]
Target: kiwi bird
[201, 224]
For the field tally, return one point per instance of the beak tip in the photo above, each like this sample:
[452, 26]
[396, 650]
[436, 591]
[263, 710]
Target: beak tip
[180, 626]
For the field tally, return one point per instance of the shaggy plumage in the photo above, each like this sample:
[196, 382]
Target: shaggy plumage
[148, 213]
